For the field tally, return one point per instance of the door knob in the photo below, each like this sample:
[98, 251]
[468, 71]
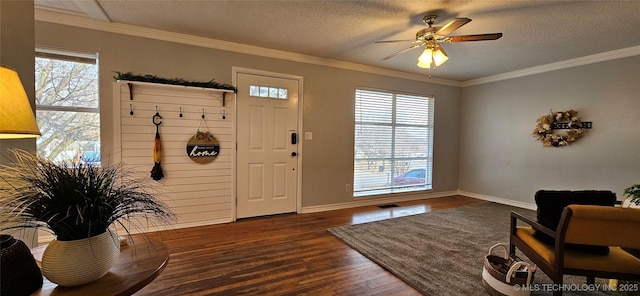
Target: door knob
[294, 154]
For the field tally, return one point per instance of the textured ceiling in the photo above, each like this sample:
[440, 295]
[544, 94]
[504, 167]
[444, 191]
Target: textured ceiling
[535, 32]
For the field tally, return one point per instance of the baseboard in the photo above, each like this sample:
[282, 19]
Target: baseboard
[346, 205]
[199, 223]
[500, 200]
[47, 238]
[361, 202]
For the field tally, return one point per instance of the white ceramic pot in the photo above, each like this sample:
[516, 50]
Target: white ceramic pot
[631, 203]
[78, 262]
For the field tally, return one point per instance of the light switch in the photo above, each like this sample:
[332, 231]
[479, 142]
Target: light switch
[308, 136]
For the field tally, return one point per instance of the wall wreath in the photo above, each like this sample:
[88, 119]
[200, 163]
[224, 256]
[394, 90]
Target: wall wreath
[555, 120]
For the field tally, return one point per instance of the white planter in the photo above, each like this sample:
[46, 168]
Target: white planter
[78, 262]
[631, 203]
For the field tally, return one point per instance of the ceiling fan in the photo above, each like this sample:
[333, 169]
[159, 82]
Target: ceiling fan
[431, 38]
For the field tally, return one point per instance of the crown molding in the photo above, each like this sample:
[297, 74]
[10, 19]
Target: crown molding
[586, 60]
[76, 20]
[50, 16]
[93, 9]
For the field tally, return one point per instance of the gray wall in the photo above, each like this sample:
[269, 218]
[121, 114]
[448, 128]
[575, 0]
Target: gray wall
[16, 51]
[499, 157]
[328, 100]
[483, 142]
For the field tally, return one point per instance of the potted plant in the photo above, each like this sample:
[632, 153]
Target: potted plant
[80, 204]
[633, 196]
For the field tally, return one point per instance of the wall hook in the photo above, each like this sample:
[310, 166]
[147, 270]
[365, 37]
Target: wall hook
[202, 113]
[130, 85]
[157, 119]
[180, 111]
[131, 109]
[224, 113]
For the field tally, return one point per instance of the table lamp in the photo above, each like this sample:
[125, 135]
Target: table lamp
[20, 273]
[16, 115]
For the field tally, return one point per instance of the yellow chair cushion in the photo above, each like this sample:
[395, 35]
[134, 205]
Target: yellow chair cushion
[616, 261]
[607, 226]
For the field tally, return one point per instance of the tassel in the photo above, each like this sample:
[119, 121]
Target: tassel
[156, 172]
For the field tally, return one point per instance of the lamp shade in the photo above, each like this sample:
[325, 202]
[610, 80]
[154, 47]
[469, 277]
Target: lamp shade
[435, 55]
[16, 116]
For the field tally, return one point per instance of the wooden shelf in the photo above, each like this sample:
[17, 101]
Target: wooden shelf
[130, 84]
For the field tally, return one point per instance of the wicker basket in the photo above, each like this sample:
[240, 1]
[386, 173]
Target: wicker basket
[506, 276]
[20, 273]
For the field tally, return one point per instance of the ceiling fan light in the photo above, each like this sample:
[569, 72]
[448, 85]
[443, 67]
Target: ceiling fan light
[424, 61]
[435, 57]
[439, 56]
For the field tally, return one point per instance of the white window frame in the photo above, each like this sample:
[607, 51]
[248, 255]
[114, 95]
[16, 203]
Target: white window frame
[71, 57]
[366, 185]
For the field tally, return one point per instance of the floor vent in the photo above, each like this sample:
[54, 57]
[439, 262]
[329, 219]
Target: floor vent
[388, 206]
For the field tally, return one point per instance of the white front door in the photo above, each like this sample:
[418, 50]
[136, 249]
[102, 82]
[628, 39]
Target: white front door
[267, 137]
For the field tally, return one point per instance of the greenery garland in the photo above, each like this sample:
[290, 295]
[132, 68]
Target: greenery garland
[129, 76]
[544, 129]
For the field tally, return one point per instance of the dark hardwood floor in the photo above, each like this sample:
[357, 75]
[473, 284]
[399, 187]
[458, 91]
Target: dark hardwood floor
[291, 254]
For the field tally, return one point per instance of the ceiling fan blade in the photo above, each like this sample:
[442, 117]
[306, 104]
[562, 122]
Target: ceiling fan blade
[390, 41]
[402, 51]
[453, 25]
[479, 37]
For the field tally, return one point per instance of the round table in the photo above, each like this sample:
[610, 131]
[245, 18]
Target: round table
[140, 262]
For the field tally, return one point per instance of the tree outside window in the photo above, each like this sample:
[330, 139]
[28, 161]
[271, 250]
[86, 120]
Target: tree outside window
[67, 108]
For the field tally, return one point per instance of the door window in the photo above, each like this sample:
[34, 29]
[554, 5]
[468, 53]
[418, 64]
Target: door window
[268, 92]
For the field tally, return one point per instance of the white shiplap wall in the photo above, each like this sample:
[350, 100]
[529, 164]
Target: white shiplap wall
[200, 194]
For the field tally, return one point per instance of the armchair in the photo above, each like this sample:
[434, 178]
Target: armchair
[582, 224]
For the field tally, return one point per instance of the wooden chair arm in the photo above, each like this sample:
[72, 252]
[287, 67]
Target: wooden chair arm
[537, 226]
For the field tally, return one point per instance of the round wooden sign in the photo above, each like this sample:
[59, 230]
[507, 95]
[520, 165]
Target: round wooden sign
[203, 150]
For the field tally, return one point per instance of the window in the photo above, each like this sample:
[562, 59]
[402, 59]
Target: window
[67, 107]
[268, 92]
[393, 142]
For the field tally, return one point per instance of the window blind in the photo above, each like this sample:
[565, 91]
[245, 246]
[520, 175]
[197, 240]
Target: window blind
[393, 142]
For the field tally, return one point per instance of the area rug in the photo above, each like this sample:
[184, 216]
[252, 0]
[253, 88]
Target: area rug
[441, 252]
